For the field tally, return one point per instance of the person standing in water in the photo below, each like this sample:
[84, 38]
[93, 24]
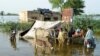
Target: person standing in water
[89, 41]
[71, 32]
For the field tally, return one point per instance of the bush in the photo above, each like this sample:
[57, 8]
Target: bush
[11, 25]
[24, 26]
[85, 21]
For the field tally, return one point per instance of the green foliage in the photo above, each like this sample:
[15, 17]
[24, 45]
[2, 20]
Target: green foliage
[96, 24]
[56, 3]
[77, 5]
[2, 13]
[24, 26]
[84, 21]
[7, 27]
[97, 31]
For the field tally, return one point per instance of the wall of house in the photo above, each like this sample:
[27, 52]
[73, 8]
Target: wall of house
[35, 16]
[23, 16]
[31, 16]
[56, 16]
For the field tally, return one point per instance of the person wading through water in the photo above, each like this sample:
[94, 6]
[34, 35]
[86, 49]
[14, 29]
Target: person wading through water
[70, 34]
[13, 34]
[89, 41]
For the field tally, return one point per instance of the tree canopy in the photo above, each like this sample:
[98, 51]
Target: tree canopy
[2, 13]
[77, 5]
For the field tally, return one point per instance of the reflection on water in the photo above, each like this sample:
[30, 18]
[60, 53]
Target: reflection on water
[72, 50]
[13, 43]
[89, 52]
[8, 48]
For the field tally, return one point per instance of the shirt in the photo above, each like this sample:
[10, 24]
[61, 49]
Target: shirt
[89, 34]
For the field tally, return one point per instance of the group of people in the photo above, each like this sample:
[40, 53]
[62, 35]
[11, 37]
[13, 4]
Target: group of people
[72, 34]
[88, 37]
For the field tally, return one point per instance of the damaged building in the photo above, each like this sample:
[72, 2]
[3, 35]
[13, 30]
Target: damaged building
[39, 14]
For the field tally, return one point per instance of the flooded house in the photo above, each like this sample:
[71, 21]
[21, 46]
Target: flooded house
[39, 14]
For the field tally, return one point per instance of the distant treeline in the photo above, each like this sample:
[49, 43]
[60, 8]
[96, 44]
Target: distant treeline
[94, 14]
[2, 13]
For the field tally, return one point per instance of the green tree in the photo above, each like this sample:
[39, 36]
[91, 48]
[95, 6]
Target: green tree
[77, 5]
[2, 13]
[57, 3]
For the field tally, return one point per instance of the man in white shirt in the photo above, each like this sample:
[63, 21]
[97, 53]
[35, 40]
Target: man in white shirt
[89, 39]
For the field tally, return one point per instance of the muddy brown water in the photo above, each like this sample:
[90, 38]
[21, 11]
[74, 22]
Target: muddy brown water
[23, 48]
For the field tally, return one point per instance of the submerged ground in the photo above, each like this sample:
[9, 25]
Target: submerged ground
[23, 48]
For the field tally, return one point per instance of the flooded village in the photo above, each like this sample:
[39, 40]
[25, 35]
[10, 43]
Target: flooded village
[44, 32]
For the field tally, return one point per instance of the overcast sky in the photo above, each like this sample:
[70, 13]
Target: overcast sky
[15, 6]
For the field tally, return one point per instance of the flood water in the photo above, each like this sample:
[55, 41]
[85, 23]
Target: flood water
[4, 19]
[23, 48]
[19, 48]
